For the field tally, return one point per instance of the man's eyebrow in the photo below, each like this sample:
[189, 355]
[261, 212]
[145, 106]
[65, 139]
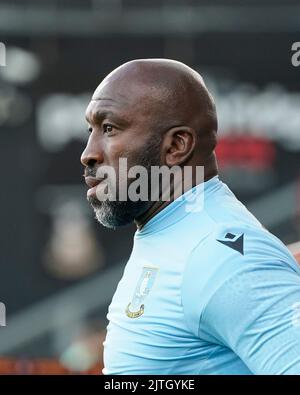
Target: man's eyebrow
[98, 116]
[102, 98]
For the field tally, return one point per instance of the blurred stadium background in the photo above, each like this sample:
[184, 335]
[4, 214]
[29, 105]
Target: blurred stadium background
[58, 268]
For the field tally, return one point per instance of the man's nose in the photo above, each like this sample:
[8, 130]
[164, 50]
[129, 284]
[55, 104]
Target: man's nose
[92, 153]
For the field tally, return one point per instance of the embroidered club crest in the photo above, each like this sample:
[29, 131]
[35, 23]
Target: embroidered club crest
[136, 307]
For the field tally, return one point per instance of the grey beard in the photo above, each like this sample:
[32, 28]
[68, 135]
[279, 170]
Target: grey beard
[113, 214]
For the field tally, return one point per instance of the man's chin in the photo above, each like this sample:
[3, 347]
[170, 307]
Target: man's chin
[106, 219]
[113, 214]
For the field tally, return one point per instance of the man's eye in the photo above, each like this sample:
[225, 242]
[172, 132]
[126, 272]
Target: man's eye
[90, 130]
[107, 128]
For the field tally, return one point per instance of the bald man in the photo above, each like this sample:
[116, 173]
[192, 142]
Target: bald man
[206, 290]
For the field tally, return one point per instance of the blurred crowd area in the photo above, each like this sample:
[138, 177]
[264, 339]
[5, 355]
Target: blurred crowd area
[58, 267]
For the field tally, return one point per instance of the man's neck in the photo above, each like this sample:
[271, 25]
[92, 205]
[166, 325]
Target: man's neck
[161, 204]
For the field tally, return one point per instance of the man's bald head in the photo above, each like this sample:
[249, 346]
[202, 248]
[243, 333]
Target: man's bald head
[167, 92]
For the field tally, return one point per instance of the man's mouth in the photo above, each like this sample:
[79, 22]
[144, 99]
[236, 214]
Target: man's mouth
[92, 183]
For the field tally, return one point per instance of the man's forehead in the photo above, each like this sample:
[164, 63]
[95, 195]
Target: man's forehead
[120, 99]
[102, 107]
[120, 88]
[97, 106]
[104, 88]
[105, 96]
[116, 93]
[110, 93]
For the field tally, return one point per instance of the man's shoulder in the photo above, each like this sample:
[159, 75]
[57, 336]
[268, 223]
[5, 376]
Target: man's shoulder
[233, 248]
[222, 206]
[232, 252]
[225, 228]
[237, 242]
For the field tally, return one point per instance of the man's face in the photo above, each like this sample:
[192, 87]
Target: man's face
[121, 125]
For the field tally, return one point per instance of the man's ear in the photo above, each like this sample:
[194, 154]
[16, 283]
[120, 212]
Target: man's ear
[178, 145]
